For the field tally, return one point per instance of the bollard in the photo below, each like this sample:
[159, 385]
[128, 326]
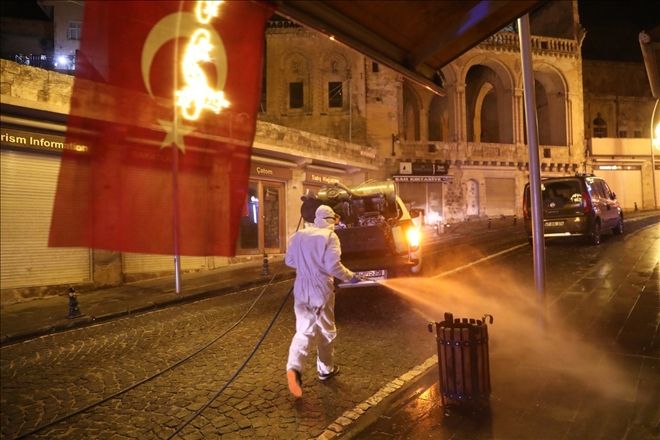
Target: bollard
[490, 222]
[636, 206]
[463, 364]
[74, 310]
[515, 220]
[264, 266]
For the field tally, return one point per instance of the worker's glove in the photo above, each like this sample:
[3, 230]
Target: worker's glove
[356, 279]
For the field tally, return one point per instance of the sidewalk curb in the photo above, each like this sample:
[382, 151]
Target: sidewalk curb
[86, 320]
[399, 390]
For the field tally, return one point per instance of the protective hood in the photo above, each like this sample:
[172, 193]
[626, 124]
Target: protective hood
[324, 217]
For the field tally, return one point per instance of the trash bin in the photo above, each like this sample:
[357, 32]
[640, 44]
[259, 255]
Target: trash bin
[463, 363]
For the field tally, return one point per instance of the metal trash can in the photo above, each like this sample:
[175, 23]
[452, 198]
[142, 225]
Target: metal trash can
[463, 363]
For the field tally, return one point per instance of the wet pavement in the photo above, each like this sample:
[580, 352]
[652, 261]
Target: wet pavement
[590, 371]
[388, 386]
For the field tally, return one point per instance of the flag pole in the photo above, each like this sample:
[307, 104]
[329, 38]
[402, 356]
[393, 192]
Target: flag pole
[175, 215]
[175, 164]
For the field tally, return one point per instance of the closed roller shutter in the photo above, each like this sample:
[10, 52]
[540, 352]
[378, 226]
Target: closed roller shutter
[28, 182]
[626, 184]
[500, 196]
[146, 263]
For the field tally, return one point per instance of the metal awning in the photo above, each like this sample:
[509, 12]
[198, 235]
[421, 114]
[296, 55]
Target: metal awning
[415, 37]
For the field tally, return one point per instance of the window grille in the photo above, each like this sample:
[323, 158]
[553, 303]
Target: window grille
[335, 93]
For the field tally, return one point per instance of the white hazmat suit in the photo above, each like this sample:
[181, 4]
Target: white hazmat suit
[314, 253]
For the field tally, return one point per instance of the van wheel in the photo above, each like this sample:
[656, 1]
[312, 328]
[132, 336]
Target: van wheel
[595, 234]
[618, 229]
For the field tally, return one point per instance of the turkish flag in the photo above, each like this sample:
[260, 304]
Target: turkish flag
[160, 131]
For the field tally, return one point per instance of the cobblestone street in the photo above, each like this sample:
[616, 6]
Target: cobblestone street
[379, 339]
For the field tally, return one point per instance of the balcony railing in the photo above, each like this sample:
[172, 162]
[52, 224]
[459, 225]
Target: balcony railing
[41, 61]
[479, 152]
[62, 63]
[508, 41]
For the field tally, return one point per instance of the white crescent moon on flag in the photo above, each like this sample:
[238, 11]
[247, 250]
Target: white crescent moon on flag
[165, 30]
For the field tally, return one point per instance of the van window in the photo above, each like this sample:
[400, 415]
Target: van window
[599, 189]
[562, 191]
[606, 189]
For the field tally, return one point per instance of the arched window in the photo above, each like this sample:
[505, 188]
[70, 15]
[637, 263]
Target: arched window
[335, 72]
[489, 116]
[296, 80]
[600, 126]
[411, 110]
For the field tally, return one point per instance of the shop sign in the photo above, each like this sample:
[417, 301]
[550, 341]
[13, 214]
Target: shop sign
[269, 171]
[422, 179]
[423, 168]
[322, 179]
[25, 139]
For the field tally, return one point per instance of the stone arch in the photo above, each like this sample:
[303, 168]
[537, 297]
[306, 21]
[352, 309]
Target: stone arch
[493, 109]
[296, 68]
[442, 114]
[551, 92]
[412, 106]
[485, 127]
[440, 119]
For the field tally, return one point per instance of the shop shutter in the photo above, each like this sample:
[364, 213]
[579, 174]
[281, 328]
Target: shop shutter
[500, 196]
[28, 182]
[626, 184]
[147, 263]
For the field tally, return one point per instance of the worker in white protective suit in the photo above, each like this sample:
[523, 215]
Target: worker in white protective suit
[314, 252]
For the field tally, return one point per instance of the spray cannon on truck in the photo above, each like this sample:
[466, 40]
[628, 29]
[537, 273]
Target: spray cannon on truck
[378, 236]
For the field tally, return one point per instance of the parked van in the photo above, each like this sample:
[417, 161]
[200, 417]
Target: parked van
[582, 205]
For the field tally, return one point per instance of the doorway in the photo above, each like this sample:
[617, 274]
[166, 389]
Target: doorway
[262, 225]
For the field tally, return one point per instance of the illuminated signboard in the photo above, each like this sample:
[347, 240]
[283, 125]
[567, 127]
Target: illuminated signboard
[39, 141]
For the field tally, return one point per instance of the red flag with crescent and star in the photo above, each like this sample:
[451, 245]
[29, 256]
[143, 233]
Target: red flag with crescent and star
[161, 125]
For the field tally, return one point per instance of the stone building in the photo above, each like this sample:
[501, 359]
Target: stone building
[618, 109]
[478, 128]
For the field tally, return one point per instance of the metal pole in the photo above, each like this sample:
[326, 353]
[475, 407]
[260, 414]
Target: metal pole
[653, 140]
[175, 165]
[534, 167]
[350, 109]
[175, 215]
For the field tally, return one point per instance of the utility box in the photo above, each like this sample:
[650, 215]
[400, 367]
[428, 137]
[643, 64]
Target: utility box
[463, 363]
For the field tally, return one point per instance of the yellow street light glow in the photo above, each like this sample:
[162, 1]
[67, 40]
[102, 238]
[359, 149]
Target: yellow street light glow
[207, 10]
[197, 95]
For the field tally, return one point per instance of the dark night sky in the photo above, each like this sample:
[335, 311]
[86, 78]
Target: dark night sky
[613, 27]
[22, 9]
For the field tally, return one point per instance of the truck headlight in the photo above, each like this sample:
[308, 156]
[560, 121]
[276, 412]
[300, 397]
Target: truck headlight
[414, 236]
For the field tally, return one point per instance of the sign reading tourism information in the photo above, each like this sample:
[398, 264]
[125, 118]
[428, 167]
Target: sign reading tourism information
[165, 100]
